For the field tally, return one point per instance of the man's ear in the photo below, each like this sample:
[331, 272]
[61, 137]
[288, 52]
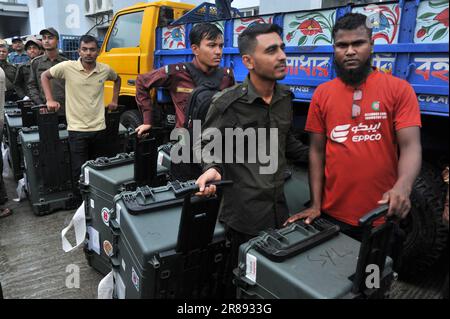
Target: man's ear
[248, 61]
[195, 48]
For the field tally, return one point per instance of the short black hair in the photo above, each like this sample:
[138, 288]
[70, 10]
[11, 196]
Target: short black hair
[88, 39]
[247, 39]
[202, 31]
[351, 21]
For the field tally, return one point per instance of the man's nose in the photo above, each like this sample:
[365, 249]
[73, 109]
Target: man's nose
[350, 50]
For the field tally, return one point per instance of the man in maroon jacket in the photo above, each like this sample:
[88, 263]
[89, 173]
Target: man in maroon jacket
[207, 46]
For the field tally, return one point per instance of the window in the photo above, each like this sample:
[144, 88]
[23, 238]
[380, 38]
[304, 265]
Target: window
[126, 32]
[39, 3]
[249, 12]
[165, 16]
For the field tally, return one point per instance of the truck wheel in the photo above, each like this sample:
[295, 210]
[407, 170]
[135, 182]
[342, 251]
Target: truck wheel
[131, 119]
[426, 235]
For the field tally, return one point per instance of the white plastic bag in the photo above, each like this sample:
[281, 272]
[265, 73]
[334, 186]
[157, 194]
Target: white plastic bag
[21, 189]
[6, 168]
[78, 222]
[106, 287]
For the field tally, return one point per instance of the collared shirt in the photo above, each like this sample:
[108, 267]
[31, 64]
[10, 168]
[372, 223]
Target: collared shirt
[16, 58]
[38, 66]
[85, 109]
[178, 81]
[256, 201]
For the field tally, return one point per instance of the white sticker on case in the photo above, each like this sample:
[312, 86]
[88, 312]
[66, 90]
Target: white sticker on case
[250, 271]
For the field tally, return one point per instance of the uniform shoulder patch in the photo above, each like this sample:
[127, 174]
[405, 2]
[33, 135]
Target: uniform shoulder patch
[175, 68]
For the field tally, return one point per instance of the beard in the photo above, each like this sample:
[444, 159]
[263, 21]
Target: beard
[353, 76]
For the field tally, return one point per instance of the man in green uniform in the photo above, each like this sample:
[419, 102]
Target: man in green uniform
[33, 47]
[39, 65]
[256, 201]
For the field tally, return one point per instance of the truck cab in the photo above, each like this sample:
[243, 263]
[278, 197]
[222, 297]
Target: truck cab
[129, 48]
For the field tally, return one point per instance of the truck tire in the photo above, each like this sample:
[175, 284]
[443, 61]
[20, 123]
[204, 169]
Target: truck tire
[426, 235]
[131, 119]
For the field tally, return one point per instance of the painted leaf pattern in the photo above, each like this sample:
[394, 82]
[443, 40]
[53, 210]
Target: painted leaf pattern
[174, 37]
[312, 28]
[432, 22]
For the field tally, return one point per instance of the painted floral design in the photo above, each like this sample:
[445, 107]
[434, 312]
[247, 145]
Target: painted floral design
[174, 37]
[432, 22]
[241, 24]
[442, 17]
[310, 28]
[385, 22]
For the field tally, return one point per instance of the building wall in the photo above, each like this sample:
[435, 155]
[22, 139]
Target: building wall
[66, 16]
[271, 6]
[12, 26]
[120, 4]
[37, 17]
[13, 19]
[236, 3]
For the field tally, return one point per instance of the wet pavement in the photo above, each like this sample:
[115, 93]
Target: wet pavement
[33, 264]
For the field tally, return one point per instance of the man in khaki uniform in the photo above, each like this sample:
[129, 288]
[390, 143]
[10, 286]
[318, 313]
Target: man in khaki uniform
[85, 110]
[39, 65]
[33, 47]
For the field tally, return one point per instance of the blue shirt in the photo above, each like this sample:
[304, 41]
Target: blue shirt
[16, 58]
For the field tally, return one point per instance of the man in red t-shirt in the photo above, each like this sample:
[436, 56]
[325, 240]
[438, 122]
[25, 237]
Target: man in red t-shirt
[358, 123]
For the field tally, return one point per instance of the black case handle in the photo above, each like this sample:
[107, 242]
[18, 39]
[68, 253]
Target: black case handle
[120, 159]
[135, 202]
[187, 190]
[373, 215]
[272, 245]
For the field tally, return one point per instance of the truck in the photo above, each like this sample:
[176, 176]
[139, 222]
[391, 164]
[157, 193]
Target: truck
[411, 42]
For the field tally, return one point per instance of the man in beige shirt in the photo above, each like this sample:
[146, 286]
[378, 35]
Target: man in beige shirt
[85, 110]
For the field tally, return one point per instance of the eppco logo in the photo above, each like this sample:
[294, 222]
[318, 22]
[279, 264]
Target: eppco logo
[340, 133]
